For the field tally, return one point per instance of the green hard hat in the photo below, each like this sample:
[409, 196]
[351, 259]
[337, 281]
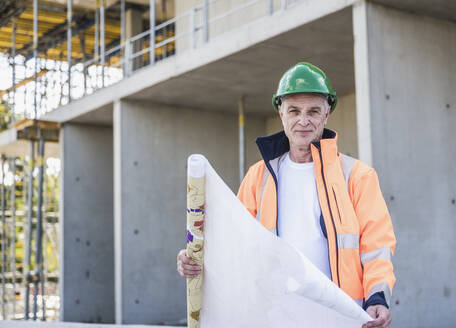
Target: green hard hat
[304, 78]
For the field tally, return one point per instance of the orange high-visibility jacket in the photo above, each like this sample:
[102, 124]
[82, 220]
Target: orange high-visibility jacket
[355, 219]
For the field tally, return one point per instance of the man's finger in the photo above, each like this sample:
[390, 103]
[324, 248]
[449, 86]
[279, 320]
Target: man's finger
[189, 267]
[187, 273]
[187, 260]
[371, 311]
[377, 323]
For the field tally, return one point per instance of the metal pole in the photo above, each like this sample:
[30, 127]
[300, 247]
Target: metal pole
[97, 32]
[43, 253]
[29, 230]
[69, 45]
[84, 58]
[241, 139]
[3, 240]
[206, 20]
[13, 230]
[271, 7]
[38, 274]
[152, 31]
[122, 35]
[13, 55]
[102, 37]
[35, 53]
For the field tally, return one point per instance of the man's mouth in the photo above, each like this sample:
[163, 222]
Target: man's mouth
[303, 132]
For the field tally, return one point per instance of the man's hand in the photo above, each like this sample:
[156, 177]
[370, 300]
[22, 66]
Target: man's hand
[381, 315]
[186, 267]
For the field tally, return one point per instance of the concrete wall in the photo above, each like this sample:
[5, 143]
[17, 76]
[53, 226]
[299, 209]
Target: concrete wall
[342, 120]
[86, 224]
[151, 145]
[412, 83]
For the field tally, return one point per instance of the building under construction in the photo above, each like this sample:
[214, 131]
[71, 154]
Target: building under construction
[99, 110]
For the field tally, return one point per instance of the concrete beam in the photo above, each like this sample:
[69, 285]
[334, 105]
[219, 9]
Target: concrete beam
[12, 146]
[86, 225]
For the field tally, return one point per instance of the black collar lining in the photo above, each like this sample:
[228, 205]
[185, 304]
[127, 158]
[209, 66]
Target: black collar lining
[277, 144]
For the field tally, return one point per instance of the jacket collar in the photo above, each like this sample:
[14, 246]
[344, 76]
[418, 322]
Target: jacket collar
[275, 145]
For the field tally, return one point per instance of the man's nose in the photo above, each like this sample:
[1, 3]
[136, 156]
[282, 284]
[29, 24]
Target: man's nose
[303, 119]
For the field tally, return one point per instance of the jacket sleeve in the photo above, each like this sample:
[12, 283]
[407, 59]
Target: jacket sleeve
[249, 188]
[377, 240]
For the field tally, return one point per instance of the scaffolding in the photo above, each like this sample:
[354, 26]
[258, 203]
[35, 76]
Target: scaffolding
[59, 52]
[29, 208]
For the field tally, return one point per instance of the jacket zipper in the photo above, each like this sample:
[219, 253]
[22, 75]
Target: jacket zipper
[332, 218]
[269, 167]
[337, 205]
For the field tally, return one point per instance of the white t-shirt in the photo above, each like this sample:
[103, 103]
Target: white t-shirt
[299, 212]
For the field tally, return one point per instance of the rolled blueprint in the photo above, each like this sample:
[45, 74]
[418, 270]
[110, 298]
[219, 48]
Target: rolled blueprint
[195, 234]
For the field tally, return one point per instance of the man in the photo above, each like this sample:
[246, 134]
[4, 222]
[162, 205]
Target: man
[326, 204]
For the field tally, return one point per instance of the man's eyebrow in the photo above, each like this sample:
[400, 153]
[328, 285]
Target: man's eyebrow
[315, 107]
[291, 106]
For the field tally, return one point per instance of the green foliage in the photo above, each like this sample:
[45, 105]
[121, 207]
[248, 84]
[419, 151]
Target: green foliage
[6, 115]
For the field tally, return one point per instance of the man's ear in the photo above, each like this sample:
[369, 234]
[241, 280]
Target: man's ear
[328, 111]
[279, 108]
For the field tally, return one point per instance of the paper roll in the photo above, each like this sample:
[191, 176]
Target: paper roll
[195, 234]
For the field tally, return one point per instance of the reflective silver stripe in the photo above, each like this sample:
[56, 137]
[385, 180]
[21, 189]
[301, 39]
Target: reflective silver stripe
[347, 163]
[359, 301]
[381, 287]
[383, 253]
[273, 230]
[348, 240]
[265, 179]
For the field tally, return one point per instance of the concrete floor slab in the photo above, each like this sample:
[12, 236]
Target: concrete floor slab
[442, 9]
[12, 146]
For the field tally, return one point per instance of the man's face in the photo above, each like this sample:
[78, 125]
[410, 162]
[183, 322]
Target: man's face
[303, 117]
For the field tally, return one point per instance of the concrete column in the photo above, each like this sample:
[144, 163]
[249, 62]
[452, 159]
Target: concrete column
[86, 224]
[412, 107]
[151, 145]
